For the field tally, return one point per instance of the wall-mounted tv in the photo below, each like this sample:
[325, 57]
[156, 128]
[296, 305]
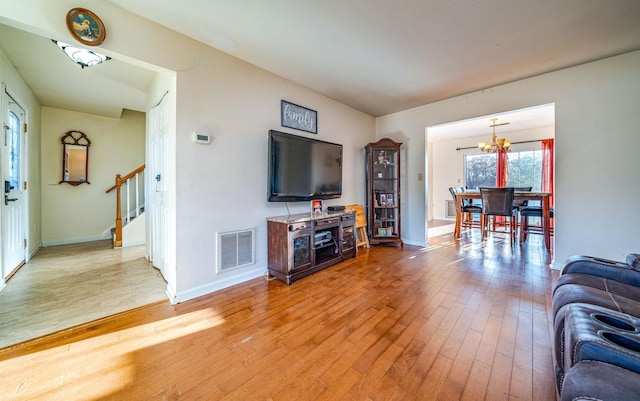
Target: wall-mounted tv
[301, 169]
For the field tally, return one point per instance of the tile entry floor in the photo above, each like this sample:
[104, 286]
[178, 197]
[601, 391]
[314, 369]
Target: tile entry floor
[67, 285]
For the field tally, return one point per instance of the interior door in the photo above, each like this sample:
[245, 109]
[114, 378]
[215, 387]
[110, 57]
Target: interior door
[158, 188]
[13, 187]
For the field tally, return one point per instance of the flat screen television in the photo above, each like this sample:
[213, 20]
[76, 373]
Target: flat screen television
[301, 169]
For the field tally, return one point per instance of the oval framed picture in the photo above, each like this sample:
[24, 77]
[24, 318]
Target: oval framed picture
[85, 26]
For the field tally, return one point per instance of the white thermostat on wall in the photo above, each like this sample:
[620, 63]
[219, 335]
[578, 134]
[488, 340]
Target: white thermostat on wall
[201, 138]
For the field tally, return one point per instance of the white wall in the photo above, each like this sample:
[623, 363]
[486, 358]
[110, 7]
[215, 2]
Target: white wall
[223, 186]
[447, 164]
[82, 213]
[596, 142]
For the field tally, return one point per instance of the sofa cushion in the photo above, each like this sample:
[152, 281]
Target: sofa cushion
[600, 283]
[593, 380]
[627, 272]
[600, 334]
[597, 291]
[571, 293]
[610, 290]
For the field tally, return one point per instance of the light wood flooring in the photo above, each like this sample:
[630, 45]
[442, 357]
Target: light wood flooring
[436, 228]
[63, 286]
[457, 320]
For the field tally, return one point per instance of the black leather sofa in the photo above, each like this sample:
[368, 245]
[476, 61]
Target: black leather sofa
[596, 310]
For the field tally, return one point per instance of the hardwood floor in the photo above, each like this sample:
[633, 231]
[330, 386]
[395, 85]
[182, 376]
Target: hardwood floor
[436, 228]
[457, 320]
[63, 286]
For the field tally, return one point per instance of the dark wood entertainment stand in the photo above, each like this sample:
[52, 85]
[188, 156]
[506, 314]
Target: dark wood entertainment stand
[302, 244]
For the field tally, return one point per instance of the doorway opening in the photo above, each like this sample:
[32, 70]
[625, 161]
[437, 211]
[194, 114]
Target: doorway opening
[455, 160]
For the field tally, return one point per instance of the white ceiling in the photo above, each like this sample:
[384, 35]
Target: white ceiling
[378, 56]
[516, 120]
[57, 82]
[382, 56]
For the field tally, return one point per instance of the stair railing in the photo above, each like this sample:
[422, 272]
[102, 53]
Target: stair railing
[126, 181]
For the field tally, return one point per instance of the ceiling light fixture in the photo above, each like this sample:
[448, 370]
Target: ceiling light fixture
[80, 56]
[496, 144]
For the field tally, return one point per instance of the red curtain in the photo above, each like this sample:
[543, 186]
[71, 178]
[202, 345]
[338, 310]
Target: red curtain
[547, 167]
[502, 169]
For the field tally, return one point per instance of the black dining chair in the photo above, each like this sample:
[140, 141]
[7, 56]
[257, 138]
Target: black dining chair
[498, 202]
[468, 210]
[525, 227]
[521, 204]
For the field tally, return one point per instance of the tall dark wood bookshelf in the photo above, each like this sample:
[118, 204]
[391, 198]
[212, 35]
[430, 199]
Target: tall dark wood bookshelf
[383, 191]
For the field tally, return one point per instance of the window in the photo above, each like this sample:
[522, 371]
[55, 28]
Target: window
[480, 170]
[525, 169]
[14, 151]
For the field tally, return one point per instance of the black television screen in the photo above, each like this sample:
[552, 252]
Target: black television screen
[301, 169]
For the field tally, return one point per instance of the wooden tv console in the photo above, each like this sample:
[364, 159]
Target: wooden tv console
[302, 244]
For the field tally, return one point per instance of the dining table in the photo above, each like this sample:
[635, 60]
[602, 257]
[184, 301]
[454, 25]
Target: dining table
[543, 197]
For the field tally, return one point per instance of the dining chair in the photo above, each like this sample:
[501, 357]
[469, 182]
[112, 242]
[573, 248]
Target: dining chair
[517, 204]
[498, 202]
[525, 227]
[521, 204]
[468, 210]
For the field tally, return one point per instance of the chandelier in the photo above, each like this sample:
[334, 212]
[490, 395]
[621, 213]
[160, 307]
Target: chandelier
[80, 56]
[496, 143]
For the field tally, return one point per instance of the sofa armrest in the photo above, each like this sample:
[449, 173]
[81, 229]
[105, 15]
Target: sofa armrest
[627, 272]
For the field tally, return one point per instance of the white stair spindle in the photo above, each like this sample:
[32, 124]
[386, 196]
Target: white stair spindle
[137, 196]
[128, 208]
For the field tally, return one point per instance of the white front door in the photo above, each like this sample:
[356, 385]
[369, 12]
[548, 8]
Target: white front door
[13, 202]
[158, 188]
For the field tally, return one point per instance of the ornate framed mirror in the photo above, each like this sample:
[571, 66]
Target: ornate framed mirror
[75, 158]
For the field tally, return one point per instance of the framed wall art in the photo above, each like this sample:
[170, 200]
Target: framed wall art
[298, 117]
[85, 27]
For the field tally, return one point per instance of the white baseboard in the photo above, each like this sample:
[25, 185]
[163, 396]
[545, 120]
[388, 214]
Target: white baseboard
[106, 234]
[215, 286]
[71, 241]
[132, 243]
[415, 243]
[171, 294]
[33, 252]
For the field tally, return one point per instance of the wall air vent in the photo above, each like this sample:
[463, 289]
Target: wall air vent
[450, 209]
[236, 249]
